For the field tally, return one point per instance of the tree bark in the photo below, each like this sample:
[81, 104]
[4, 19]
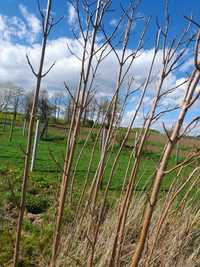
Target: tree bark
[30, 135]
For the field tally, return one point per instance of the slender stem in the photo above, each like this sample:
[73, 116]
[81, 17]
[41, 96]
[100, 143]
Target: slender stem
[29, 139]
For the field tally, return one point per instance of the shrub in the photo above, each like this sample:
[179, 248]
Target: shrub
[37, 204]
[34, 203]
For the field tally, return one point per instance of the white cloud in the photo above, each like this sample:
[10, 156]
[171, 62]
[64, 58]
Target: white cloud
[12, 27]
[128, 116]
[15, 28]
[72, 15]
[187, 65]
[67, 67]
[14, 68]
[33, 22]
[113, 22]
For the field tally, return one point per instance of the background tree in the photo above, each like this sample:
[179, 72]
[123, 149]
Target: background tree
[7, 91]
[45, 110]
[16, 101]
[58, 100]
[27, 102]
[68, 110]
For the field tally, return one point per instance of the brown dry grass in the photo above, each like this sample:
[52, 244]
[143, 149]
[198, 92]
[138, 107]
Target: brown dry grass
[178, 244]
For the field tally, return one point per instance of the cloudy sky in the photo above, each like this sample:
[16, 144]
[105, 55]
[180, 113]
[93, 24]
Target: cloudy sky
[20, 34]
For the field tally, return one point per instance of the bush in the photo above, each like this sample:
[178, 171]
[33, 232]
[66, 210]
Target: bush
[34, 203]
[37, 204]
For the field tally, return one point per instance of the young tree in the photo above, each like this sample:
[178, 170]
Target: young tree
[27, 104]
[47, 23]
[89, 33]
[68, 110]
[58, 100]
[189, 98]
[15, 102]
[7, 92]
[45, 109]
[5, 95]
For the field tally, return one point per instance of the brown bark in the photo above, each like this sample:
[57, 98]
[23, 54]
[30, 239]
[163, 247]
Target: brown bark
[29, 139]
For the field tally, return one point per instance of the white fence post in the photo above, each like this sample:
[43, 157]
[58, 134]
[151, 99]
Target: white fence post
[35, 145]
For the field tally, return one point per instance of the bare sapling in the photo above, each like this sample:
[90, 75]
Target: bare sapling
[87, 232]
[166, 208]
[47, 22]
[89, 36]
[122, 72]
[188, 100]
[168, 65]
[15, 99]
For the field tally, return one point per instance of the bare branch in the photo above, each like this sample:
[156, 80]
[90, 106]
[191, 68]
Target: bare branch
[167, 133]
[192, 21]
[50, 68]
[69, 92]
[196, 55]
[72, 53]
[191, 124]
[31, 66]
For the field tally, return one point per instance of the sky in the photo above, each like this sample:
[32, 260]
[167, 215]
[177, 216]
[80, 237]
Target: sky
[20, 34]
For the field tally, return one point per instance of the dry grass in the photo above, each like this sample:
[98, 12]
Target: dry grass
[178, 243]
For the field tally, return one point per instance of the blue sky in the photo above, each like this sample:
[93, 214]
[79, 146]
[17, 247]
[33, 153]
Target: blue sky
[154, 8]
[20, 35]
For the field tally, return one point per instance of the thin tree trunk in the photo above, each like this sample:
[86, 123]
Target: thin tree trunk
[30, 135]
[24, 127]
[58, 114]
[72, 135]
[103, 138]
[12, 127]
[5, 121]
[161, 170]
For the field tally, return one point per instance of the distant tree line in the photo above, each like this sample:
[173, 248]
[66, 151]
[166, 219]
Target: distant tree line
[55, 108]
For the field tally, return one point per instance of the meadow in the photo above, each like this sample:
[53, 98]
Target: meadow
[44, 183]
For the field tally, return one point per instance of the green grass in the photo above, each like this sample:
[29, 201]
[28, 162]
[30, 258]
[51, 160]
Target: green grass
[44, 184]
[47, 174]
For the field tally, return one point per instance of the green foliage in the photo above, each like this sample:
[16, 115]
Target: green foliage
[34, 203]
[93, 137]
[37, 204]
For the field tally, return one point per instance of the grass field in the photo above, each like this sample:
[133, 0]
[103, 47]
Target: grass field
[44, 184]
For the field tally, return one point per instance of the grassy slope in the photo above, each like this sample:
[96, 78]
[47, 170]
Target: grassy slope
[43, 186]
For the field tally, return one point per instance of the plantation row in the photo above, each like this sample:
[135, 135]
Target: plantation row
[86, 180]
